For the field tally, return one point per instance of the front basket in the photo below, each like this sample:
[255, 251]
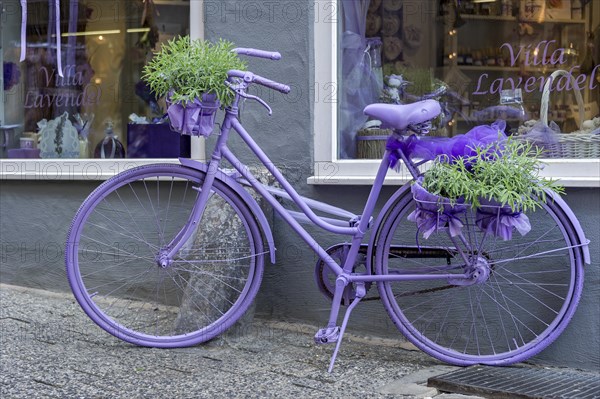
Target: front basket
[195, 118]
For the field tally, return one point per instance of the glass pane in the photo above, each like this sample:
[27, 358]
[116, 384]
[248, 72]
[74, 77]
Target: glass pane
[104, 45]
[482, 60]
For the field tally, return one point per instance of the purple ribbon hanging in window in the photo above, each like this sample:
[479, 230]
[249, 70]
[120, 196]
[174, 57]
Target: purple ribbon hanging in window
[57, 26]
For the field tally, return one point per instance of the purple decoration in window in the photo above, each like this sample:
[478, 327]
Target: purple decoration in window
[12, 75]
[53, 25]
[361, 86]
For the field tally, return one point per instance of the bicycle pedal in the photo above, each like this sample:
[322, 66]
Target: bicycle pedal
[328, 335]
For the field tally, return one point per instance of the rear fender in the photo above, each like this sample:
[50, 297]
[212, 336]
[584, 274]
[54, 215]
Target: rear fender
[244, 195]
[574, 222]
[379, 222]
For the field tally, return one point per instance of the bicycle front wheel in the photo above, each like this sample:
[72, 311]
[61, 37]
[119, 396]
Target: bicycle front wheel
[529, 290]
[114, 246]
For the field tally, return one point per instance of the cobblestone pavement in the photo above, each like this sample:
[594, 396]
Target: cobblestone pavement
[49, 348]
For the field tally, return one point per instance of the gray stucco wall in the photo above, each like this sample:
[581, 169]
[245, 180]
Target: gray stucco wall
[35, 216]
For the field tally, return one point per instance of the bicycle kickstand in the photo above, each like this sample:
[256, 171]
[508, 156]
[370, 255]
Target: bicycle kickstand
[360, 294]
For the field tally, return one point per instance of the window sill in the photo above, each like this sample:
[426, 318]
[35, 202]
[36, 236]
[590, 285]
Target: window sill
[569, 172]
[70, 169]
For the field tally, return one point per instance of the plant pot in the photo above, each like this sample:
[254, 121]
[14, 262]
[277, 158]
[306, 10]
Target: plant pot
[434, 212]
[196, 118]
[493, 218]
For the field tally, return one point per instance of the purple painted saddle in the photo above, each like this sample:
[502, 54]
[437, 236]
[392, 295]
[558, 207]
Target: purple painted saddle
[399, 116]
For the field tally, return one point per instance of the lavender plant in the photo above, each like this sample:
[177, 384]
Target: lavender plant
[189, 68]
[506, 172]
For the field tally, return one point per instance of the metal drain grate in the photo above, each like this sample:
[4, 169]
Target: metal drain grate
[519, 382]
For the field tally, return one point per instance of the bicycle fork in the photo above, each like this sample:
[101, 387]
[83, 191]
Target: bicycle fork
[205, 190]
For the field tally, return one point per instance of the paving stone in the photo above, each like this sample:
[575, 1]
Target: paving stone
[409, 389]
[456, 396]
[421, 376]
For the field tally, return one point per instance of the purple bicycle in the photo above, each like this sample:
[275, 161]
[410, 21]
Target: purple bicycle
[172, 255]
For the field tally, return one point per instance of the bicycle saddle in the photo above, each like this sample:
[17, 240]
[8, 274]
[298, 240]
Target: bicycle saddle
[400, 116]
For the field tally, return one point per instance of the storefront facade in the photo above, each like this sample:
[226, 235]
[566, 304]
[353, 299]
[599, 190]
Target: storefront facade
[334, 66]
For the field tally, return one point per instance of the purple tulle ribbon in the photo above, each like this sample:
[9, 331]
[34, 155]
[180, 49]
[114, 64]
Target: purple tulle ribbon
[23, 30]
[501, 221]
[24, 33]
[463, 145]
[434, 212]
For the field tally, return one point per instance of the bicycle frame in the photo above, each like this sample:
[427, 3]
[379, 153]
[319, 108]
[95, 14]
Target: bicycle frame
[356, 228]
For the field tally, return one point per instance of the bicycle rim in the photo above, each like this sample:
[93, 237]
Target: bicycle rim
[112, 252]
[533, 287]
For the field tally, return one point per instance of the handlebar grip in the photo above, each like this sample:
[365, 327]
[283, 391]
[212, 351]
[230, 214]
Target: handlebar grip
[252, 52]
[272, 84]
[250, 77]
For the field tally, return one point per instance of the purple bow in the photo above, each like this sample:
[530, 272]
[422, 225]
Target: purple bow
[500, 222]
[431, 221]
[434, 212]
[24, 33]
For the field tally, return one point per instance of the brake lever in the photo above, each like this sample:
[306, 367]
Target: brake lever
[260, 100]
[240, 90]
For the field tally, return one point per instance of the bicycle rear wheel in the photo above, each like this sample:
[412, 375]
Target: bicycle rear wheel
[526, 301]
[113, 249]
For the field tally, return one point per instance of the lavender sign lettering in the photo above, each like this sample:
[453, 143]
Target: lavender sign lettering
[69, 90]
[539, 55]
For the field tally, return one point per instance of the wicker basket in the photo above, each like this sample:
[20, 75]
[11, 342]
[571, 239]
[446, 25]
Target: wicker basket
[567, 145]
[370, 143]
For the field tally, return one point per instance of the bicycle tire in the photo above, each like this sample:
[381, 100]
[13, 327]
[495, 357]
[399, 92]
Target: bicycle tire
[112, 267]
[528, 301]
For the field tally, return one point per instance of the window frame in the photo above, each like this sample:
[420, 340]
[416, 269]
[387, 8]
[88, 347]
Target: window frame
[330, 170]
[92, 169]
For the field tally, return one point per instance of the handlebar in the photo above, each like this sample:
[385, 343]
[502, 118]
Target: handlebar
[252, 78]
[252, 52]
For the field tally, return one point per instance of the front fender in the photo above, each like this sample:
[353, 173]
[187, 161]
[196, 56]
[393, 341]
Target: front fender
[244, 195]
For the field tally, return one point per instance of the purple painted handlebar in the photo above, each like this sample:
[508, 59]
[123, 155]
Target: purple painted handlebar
[272, 55]
[252, 78]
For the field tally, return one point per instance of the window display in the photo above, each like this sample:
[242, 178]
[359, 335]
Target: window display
[74, 67]
[483, 60]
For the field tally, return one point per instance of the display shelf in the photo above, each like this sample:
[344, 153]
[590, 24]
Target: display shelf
[501, 18]
[171, 3]
[488, 17]
[559, 21]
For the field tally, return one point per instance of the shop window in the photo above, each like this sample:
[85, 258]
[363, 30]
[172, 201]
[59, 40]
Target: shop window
[99, 107]
[483, 60]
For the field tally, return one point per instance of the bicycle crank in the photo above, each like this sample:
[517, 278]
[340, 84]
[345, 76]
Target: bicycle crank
[325, 277]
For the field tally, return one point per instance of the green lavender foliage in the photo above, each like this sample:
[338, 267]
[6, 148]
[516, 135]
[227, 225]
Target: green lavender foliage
[506, 172]
[190, 68]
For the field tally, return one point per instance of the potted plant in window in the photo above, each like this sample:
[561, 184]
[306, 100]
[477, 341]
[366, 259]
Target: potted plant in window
[191, 75]
[499, 180]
